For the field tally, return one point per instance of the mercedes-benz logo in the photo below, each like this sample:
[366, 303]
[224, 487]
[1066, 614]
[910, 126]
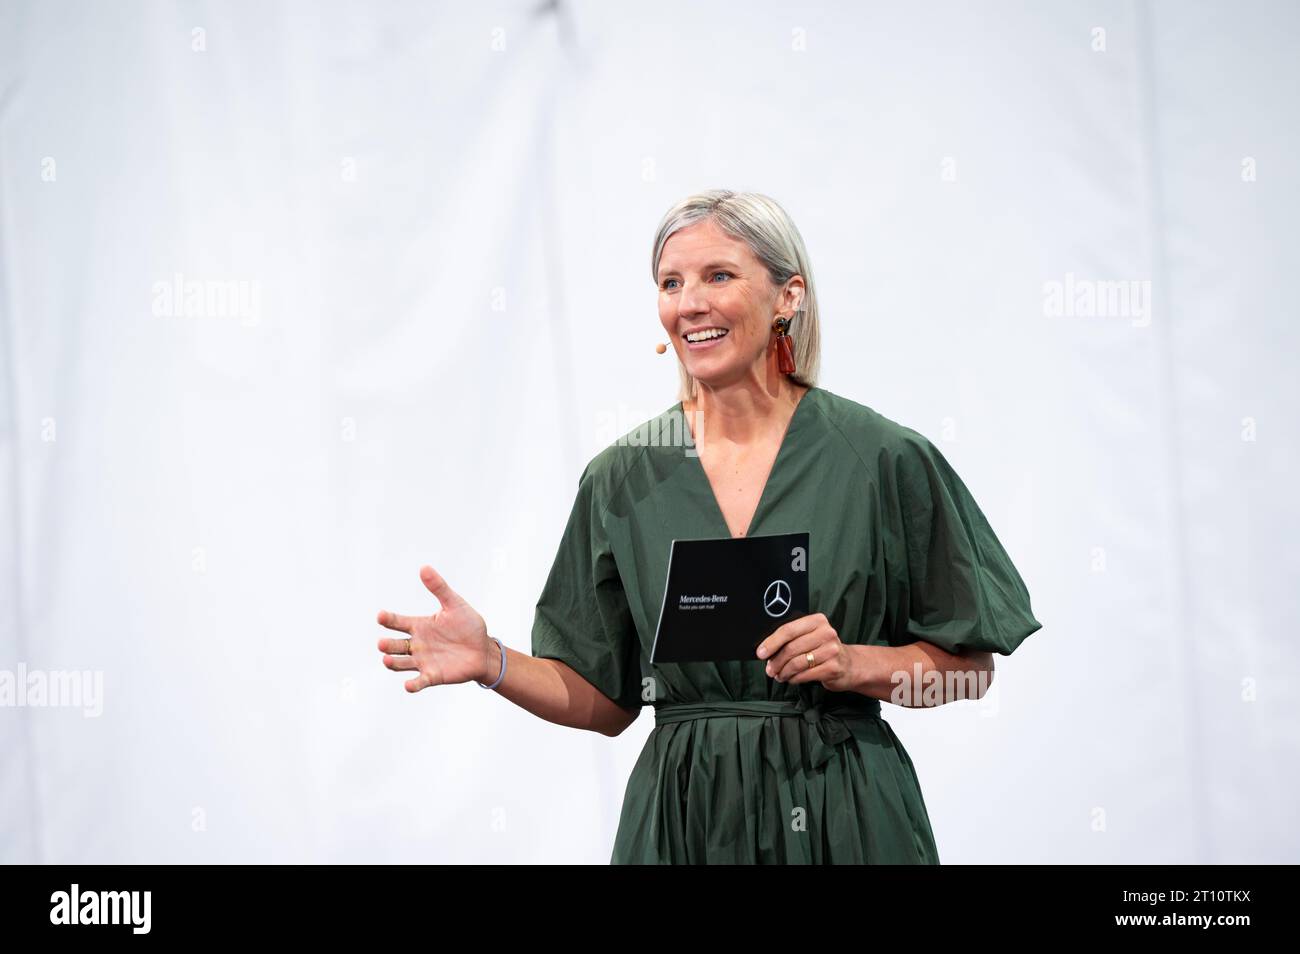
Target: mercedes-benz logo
[776, 599]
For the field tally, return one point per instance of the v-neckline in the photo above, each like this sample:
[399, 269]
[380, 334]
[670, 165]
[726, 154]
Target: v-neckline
[767, 483]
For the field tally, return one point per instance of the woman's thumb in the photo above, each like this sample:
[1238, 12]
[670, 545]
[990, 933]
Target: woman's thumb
[438, 586]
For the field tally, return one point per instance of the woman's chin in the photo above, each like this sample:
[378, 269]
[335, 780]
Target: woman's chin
[713, 373]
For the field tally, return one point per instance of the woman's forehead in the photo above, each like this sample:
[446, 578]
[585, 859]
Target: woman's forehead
[703, 249]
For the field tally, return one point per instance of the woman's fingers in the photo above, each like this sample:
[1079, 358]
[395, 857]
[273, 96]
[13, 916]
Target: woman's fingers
[397, 651]
[436, 585]
[398, 647]
[394, 621]
[769, 647]
[793, 660]
[778, 665]
[820, 672]
[420, 682]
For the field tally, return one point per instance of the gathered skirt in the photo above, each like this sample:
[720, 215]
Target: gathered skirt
[773, 783]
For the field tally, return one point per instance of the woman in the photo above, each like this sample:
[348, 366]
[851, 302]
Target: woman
[784, 759]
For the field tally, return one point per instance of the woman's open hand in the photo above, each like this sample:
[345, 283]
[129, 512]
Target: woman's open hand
[787, 651]
[449, 647]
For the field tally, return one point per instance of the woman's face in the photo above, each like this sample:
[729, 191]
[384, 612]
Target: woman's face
[709, 281]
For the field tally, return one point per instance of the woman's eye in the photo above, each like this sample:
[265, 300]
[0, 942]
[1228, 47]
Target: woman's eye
[667, 283]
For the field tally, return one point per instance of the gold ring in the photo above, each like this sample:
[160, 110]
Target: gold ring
[809, 657]
[408, 647]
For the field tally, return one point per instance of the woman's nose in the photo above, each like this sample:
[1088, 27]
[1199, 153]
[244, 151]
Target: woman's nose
[694, 298]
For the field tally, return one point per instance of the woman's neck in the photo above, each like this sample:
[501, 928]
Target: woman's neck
[742, 413]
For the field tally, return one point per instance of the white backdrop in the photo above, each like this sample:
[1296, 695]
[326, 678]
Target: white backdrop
[437, 220]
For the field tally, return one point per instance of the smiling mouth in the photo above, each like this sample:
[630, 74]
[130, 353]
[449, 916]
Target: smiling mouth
[704, 335]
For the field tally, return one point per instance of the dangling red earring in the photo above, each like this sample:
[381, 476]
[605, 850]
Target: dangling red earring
[784, 346]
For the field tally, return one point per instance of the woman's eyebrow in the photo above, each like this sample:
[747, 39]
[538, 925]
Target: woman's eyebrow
[703, 268]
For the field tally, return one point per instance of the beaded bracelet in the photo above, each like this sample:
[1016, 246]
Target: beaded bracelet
[503, 666]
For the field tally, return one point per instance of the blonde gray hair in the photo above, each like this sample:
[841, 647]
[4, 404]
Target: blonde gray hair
[771, 235]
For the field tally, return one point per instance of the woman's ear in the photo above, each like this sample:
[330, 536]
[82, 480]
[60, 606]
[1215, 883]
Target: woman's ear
[794, 291]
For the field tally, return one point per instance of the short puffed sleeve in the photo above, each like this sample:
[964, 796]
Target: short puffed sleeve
[582, 617]
[953, 582]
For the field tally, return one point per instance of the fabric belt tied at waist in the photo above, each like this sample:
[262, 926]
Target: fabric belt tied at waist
[828, 719]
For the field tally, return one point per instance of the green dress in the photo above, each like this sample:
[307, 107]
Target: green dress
[741, 769]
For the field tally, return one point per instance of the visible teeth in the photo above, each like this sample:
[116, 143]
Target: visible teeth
[706, 334]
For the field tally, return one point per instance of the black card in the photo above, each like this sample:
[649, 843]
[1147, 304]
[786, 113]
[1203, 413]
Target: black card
[724, 596]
